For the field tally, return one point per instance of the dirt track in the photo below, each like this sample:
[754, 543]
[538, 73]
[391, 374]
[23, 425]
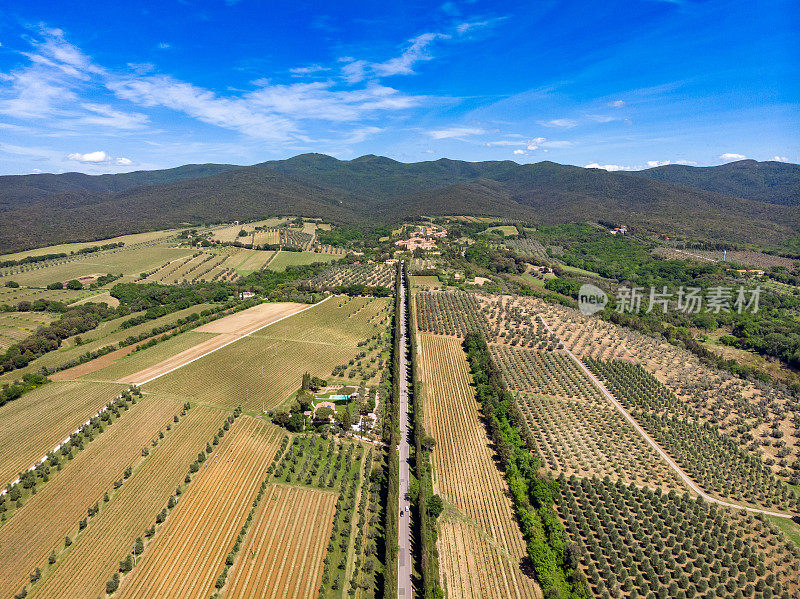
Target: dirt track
[228, 329]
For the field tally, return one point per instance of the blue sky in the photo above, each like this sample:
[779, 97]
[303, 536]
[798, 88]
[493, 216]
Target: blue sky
[141, 85]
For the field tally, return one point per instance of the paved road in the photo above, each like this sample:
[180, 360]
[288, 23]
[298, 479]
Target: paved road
[685, 477]
[404, 564]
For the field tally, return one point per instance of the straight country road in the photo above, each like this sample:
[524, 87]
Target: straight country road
[404, 562]
[685, 477]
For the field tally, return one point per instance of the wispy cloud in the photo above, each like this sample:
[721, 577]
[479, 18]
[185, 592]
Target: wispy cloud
[563, 123]
[470, 26]
[356, 71]
[455, 132]
[616, 103]
[309, 70]
[52, 88]
[732, 156]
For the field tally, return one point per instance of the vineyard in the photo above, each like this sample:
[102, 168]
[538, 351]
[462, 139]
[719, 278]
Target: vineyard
[128, 260]
[340, 321]
[34, 424]
[268, 565]
[528, 247]
[187, 554]
[315, 462]
[341, 335]
[636, 542]
[449, 313]
[199, 267]
[95, 552]
[714, 460]
[478, 522]
[77, 482]
[370, 275]
[233, 374]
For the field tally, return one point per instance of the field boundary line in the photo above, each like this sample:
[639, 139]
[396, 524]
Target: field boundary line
[211, 351]
[685, 477]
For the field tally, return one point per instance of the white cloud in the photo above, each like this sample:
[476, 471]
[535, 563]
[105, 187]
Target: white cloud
[564, 123]
[360, 134]
[732, 156]
[107, 116]
[610, 167]
[555, 143]
[468, 26]
[616, 104]
[505, 142]
[94, 157]
[99, 157]
[164, 46]
[655, 163]
[780, 159]
[531, 144]
[455, 132]
[519, 151]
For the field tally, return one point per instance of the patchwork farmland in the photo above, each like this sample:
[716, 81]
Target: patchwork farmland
[233, 428]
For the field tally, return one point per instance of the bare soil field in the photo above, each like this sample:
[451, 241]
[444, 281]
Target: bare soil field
[93, 365]
[252, 319]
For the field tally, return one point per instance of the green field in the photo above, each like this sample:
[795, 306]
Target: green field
[126, 261]
[502, 230]
[73, 247]
[266, 368]
[106, 333]
[284, 259]
[15, 326]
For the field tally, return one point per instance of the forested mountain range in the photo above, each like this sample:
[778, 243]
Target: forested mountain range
[690, 202]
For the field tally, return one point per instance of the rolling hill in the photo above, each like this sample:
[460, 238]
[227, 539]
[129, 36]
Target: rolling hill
[370, 190]
[771, 182]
